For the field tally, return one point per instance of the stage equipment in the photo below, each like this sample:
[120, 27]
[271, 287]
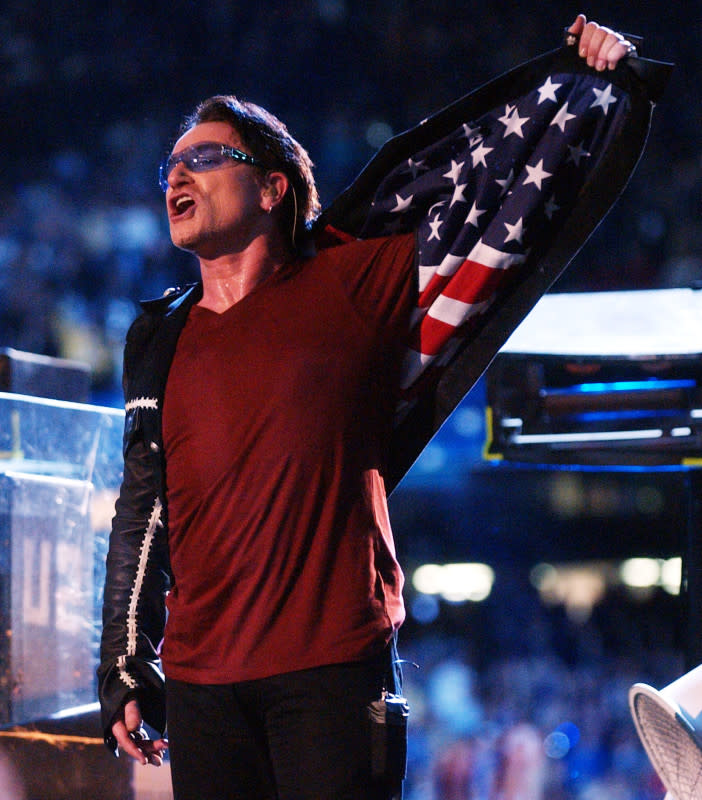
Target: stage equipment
[612, 379]
[601, 378]
[44, 376]
[60, 468]
[669, 724]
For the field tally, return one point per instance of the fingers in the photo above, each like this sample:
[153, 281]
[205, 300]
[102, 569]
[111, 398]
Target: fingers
[132, 715]
[577, 27]
[152, 749]
[127, 744]
[601, 47]
[133, 741]
[138, 746]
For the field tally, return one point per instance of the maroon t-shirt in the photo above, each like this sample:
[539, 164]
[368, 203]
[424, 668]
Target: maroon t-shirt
[276, 421]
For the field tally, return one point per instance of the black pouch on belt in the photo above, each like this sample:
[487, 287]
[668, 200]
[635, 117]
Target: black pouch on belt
[388, 718]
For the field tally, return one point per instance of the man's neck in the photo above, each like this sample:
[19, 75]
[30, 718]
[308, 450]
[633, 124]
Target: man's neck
[229, 278]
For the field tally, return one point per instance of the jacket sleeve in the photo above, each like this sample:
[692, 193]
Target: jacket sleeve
[136, 583]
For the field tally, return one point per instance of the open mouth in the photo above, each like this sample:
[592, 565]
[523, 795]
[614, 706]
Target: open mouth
[181, 204]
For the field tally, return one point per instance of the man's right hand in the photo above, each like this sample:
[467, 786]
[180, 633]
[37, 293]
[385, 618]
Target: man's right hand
[132, 739]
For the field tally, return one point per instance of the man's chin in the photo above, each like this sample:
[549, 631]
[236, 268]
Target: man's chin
[183, 242]
[188, 248]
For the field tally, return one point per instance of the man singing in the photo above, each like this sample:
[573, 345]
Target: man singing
[252, 513]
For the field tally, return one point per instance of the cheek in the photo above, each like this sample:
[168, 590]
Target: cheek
[215, 207]
[218, 204]
[242, 202]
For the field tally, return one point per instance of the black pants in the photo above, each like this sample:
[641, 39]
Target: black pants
[299, 736]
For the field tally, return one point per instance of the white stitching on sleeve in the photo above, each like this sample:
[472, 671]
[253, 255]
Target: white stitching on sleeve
[124, 675]
[142, 402]
[154, 521]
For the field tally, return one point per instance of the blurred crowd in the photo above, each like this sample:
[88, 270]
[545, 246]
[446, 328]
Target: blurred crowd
[528, 729]
[93, 95]
[530, 723]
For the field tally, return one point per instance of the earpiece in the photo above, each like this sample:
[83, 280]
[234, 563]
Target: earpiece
[273, 193]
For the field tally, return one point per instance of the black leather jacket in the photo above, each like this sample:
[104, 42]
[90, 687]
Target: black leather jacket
[138, 573]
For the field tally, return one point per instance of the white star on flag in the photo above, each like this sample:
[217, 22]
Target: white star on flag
[604, 98]
[508, 113]
[434, 225]
[514, 124]
[455, 172]
[562, 117]
[536, 175]
[515, 232]
[548, 91]
[474, 215]
[402, 205]
[478, 155]
[458, 196]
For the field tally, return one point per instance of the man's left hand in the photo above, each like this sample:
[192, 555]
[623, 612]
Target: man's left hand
[601, 47]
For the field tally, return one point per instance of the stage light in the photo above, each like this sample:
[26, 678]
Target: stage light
[425, 608]
[434, 459]
[578, 587]
[640, 573]
[556, 745]
[427, 578]
[455, 583]
[671, 575]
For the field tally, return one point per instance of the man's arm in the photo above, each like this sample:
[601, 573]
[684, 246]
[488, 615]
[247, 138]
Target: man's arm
[136, 582]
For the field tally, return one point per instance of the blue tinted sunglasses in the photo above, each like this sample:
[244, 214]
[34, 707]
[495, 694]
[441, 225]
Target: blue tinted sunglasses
[203, 157]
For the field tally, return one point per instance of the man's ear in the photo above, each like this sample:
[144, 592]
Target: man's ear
[274, 189]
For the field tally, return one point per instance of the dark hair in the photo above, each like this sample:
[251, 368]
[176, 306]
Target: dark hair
[268, 139]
